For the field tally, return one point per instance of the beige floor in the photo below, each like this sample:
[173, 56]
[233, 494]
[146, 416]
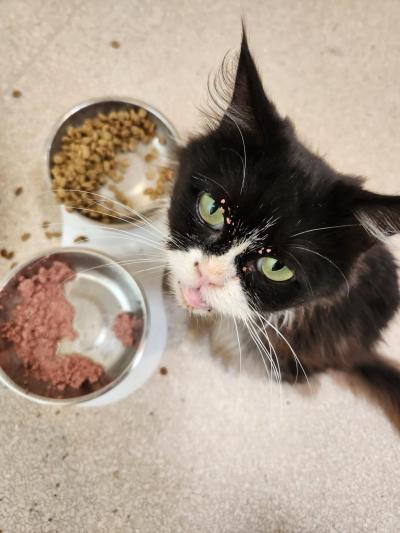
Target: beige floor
[198, 450]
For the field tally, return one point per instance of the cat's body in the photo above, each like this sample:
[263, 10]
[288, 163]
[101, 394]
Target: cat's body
[267, 235]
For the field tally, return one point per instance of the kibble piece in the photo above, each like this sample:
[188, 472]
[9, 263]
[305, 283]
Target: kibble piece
[45, 224]
[115, 44]
[81, 238]
[150, 156]
[25, 236]
[53, 234]
[16, 93]
[7, 254]
[18, 191]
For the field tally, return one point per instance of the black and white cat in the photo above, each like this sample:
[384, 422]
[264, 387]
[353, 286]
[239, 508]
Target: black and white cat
[268, 235]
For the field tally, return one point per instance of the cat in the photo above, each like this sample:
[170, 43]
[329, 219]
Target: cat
[268, 236]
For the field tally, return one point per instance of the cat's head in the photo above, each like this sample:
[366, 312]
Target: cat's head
[257, 221]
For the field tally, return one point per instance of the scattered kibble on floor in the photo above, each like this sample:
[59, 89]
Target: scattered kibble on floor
[45, 224]
[16, 93]
[53, 234]
[7, 254]
[163, 370]
[18, 191]
[25, 236]
[115, 44]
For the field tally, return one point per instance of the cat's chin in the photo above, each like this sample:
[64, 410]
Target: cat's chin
[192, 300]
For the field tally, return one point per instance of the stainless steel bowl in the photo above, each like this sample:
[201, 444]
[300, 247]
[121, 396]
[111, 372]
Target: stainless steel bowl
[134, 181]
[101, 289]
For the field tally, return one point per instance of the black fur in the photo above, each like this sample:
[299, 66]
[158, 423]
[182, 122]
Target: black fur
[345, 287]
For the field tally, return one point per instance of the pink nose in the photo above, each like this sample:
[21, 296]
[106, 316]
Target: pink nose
[209, 274]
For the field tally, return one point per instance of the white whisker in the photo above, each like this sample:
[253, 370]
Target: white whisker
[323, 228]
[239, 346]
[329, 261]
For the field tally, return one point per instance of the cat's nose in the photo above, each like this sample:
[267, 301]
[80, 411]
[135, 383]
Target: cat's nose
[210, 273]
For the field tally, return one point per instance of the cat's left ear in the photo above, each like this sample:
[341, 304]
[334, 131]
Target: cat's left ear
[249, 104]
[379, 214]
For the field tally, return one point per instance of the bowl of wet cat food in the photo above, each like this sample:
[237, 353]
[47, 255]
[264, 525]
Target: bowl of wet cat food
[73, 323]
[112, 160]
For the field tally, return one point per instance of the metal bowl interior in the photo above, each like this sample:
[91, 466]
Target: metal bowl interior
[134, 182]
[100, 291]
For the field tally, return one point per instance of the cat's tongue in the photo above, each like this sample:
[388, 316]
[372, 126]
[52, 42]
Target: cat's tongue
[193, 298]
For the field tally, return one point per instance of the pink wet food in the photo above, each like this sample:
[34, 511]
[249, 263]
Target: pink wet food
[41, 318]
[126, 325]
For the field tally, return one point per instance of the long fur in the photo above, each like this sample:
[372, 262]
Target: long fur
[283, 201]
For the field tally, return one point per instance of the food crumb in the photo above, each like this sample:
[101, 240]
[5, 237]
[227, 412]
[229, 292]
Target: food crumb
[165, 176]
[150, 156]
[25, 236]
[45, 224]
[81, 238]
[16, 93]
[53, 234]
[18, 191]
[115, 44]
[7, 254]
[163, 370]
[125, 327]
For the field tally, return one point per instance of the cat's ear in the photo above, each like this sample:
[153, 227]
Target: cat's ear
[379, 214]
[249, 103]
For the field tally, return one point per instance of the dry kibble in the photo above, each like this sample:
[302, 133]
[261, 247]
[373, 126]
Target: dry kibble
[120, 196]
[18, 191]
[45, 224]
[150, 156]
[165, 177]
[89, 158]
[7, 254]
[53, 234]
[81, 238]
[25, 236]
[115, 44]
[16, 93]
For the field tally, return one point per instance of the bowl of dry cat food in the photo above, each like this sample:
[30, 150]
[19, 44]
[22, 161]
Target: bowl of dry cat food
[112, 160]
[73, 323]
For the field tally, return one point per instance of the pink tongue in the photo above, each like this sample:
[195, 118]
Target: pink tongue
[193, 298]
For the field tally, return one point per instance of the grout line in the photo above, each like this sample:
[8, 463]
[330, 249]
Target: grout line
[32, 61]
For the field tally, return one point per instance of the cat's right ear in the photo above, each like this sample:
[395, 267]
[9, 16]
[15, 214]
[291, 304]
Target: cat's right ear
[249, 106]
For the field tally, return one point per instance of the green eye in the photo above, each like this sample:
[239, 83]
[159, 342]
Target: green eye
[274, 270]
[210, 212]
